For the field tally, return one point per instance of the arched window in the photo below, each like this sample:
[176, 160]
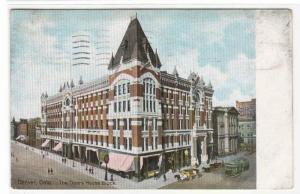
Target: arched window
[149, 95]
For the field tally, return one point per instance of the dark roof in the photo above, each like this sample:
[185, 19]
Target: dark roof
[135, 45]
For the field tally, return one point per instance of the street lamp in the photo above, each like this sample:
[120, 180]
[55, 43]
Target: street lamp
[106, 160]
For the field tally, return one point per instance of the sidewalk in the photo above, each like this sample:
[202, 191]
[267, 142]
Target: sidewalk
[119, 182]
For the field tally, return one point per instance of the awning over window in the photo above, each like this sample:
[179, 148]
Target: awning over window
[58, 147]
[46, 143]
[120, 162]
[94, 150]
[21, 138]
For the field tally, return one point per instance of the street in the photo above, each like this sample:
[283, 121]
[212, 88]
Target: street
[218, 180]
[30, 171]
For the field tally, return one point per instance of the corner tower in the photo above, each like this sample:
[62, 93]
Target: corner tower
[134, 82]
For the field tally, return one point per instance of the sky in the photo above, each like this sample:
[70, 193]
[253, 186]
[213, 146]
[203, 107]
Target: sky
[216, 44]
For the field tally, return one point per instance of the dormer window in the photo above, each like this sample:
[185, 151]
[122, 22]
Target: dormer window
[124, 44]
[67, 102]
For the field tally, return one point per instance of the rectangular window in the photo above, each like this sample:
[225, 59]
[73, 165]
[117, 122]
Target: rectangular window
[115, 107]
[118, 143]
[147, 87]
[124, 88]
[130, 143]
[128, 105]
[187, 124]
[128, 88]
[125, 143]
[124, 106]
[143, 144]
[119, 89]
[114, 142]
[147, 106]
[120, 104]
[146, 147]
[129, 124]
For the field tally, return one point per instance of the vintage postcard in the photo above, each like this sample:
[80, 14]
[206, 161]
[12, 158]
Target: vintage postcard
[133, 99]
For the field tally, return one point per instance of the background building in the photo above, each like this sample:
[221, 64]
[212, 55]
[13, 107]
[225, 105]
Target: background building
[225, 125]
[247, 124]
[13, 129]
[22, 131]
[33, 126]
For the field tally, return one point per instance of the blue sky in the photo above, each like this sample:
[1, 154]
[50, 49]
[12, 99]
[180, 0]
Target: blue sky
[217, 44]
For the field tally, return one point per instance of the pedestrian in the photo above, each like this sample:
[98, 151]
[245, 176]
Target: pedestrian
[43, 156]
[111, 177]
[165, 177]
[48, 171]
[73, 164]
[51, 171]
[92, 170]
[86, 167]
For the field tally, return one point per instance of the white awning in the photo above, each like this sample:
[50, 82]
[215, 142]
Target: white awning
[46, 143]
[120, 162]
[94, 150]
[58, 147]
[21, 137]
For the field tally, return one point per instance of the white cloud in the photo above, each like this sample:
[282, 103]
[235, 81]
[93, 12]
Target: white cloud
[215, 30]
[239, 72]
[188, 62]
[242, 70]
[232, 98]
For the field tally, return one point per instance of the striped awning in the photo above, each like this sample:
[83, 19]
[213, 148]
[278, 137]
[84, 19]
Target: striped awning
[46, 143]
[120, 162]
[58, 147]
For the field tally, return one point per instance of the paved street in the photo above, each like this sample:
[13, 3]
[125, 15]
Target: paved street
[30, 171]
[217, 179]
[31, 168]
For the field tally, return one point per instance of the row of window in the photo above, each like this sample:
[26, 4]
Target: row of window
[183, 140]
[167, 93]
[122, 106]
[127, 124]
[121, 89]
[127, 143]
[169, 124]
[149, 95]
[145, 145]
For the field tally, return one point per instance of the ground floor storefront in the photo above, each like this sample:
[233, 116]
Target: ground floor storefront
[137, 167]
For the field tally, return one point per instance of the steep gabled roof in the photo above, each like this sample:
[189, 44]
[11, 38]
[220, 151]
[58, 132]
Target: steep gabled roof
[135, 45]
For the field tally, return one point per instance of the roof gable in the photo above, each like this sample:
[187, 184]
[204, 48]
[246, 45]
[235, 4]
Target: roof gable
[135, 45]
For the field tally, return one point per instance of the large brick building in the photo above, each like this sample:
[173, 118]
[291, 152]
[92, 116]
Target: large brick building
[142, 116]
[247, 124]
